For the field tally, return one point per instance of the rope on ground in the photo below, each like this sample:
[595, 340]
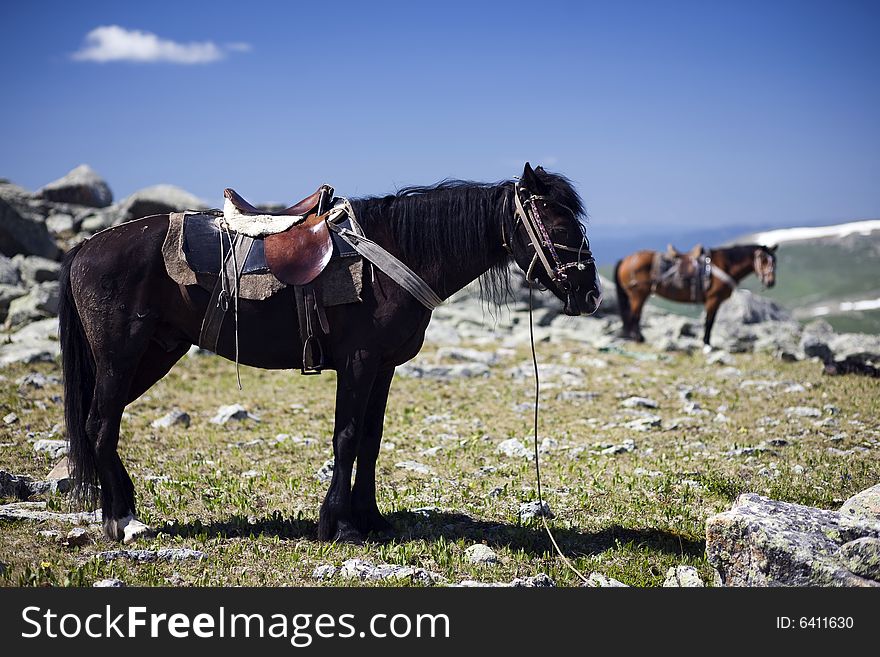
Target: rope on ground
[537, 464]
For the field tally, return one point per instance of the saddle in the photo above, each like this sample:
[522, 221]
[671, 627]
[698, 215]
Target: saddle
[300, 247]
[249, 253]
[678, 271]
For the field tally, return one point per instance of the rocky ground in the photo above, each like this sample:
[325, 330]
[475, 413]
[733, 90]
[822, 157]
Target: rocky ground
[641, 446]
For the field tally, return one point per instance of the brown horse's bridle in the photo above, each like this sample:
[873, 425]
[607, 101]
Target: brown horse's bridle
[758, 265]
[526, 211]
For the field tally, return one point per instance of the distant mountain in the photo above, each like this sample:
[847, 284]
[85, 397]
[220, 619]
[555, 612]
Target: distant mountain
[831, 272]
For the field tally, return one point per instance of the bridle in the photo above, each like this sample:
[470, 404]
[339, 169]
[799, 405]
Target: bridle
[526, 211]
[758, 265]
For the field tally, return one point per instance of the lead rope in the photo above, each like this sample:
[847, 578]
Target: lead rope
[537, 464]
[225, 227]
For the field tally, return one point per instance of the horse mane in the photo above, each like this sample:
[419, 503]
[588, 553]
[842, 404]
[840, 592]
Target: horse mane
[740, 252]
[455, 222]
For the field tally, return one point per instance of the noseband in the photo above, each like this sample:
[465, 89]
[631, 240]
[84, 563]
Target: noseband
[526, 211]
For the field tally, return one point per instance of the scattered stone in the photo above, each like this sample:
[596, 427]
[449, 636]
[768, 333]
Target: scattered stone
[325, 472]
[233, 412]
[148, 556]
[37, 511]
[719, 357]
[628, 445]
[639, 402]
[10, 418]
[513, 448]
[111, 583]
[77, 537]
[51, 446]
[178, 417]
[683, 576]
[324, 572]
[603, 581]
[802, 411]
[532, 510]
[366, 571]
[416, 370]
[762, 542]
[414, 466]
[541, 580]
[37, 381]
[480, 553]
[644, 423]
[50, 535]
[577, 395]
[467, 355]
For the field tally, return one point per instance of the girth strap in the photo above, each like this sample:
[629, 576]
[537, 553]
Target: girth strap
[394, 268]
[227, 283]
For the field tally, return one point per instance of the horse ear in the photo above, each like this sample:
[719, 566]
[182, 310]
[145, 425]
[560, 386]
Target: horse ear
[773, 248]
[531, 180]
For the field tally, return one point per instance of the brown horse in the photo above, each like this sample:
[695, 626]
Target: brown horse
[636, 278]
[125, 322]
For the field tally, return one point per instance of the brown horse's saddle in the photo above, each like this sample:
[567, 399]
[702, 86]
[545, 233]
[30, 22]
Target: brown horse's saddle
[678, 271]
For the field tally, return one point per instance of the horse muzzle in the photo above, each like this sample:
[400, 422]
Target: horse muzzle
[582, 305]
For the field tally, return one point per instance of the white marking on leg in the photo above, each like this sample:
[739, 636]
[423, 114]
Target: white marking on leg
[131, 528]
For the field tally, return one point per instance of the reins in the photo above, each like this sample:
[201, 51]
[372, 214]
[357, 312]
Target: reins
[541, 513]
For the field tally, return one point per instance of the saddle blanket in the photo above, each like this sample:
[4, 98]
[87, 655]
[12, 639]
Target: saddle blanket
[192, 254]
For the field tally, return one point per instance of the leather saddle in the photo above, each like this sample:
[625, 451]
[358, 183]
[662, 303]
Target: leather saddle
[296, 256]
[682, 270]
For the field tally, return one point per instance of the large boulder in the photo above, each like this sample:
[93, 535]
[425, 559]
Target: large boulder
[40, 302]
[158, 199]
[81, 186]
[36, 342]
[762, 542]
[9, 273]
[745, 307]
[23, 230]
[841, 352]
[36, 269]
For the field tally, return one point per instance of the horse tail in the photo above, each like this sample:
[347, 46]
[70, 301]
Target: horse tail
[622, 296]
[78, 365]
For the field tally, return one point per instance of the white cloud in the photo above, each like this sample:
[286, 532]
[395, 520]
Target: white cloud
[112, 43]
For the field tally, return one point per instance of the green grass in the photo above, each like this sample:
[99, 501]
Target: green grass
[630, 516]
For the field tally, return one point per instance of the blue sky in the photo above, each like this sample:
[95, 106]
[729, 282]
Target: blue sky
[685, 114]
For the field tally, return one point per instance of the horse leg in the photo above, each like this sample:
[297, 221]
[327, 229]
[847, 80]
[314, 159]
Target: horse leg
[712, 304]
[365, 510]
[635, 330]
[113, 378]
[353, 387]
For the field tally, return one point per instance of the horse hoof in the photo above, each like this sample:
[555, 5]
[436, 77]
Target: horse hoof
[127, 529]
[349, 535]
[707, 349]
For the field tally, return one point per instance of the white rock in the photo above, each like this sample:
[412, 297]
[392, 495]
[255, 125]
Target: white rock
[639, 402]
[480, 553]
[324, 571]
[514, 449]
[111, 583]
[172, 418]
[600, 580]
[54, 448]
[233, 412]
[414, 466]
[532, 510]
[683, 576]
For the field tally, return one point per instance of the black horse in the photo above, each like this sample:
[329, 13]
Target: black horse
[124, 323]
